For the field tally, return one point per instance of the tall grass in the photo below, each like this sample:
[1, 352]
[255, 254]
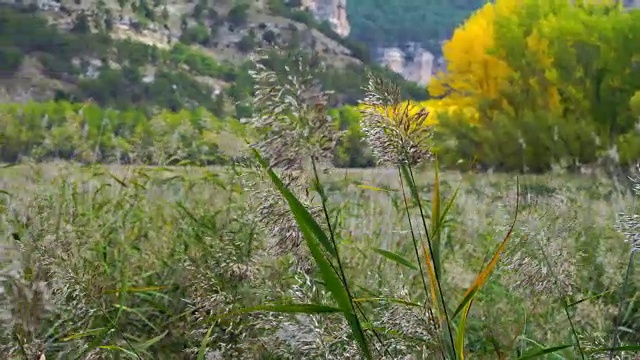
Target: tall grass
[398, 262]
[150, 266]
[399, 136]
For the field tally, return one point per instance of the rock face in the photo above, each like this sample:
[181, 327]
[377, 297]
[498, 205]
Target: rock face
[632, 4]
[46, 5]
[413, 63]
[333, 11]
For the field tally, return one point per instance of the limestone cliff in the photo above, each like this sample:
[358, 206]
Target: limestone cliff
[632, 3]
[333, 11]
[413, 62]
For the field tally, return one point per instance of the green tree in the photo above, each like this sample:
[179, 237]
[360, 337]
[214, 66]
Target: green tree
[351, 150]
[238, 14]
[81, 24]
[533, 71]
[380, 23]
[10, 59]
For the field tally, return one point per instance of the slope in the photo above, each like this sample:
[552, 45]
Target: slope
[170, 55]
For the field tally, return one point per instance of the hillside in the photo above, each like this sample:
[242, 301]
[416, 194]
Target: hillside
[155, 55]
[389, 23]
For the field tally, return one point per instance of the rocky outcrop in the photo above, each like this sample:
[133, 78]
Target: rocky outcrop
[632, 4]
[333, 11]
[45, 5]
[413, 62]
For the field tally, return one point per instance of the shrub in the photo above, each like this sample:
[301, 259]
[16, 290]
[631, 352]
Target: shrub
[238, 14]
[351, 150]
[533, 142]
[198, 34]
[62, 130]
[10, 59]
[247, 43]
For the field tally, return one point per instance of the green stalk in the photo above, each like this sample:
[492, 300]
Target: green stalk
[436, 268]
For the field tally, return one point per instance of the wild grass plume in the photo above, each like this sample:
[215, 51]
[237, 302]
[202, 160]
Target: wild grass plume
[397, 262]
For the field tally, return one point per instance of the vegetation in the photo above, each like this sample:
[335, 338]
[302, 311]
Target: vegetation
[552, 84]
[283, 256]
[397, 22]
[118, 261]
[538, 90]
[291, 11]
[277, 254]
[125, 73]
[88, 133]
[531, 105]
[27, 34]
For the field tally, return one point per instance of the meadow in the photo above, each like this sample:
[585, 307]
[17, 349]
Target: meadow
[283, 254]
[114, 262]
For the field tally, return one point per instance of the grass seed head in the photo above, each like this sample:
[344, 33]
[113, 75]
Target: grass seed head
[397, 132]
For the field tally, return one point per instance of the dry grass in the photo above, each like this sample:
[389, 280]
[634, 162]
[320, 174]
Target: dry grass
[139, 262]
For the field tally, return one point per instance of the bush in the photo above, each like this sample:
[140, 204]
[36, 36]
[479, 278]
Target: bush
[198, 34]
[10, 59]
[533, 142]
[247, 43]
[269, 37]
[351, 150]
[238, 15]
[62, 130]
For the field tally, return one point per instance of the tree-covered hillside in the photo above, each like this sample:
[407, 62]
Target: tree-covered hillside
[394, 22]
[82, 52]
[77, 76]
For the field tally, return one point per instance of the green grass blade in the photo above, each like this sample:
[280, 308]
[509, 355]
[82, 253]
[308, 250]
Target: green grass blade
[136, 312]
[545, 351]
[315, 239]
[147, 344]
[81, 335]
[374, 188]
[435, 225]
[593, 297]
[459, 344]
[129, 353]
[464, 303]
[445, 211]
[396, 258]
[302, 216]
[205, 341]
[96, 342]
[334, 285]
[412, 186]
[394, 300]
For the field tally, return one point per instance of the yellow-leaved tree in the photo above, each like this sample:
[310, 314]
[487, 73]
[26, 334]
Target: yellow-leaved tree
[474, 76]
[549, 81]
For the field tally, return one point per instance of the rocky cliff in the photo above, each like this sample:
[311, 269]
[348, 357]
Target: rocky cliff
[333, 11]
[412, 62]
[204, 48]
[632, 3]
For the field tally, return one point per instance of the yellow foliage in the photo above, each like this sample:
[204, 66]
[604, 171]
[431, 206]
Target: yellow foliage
[435, 108]
[478, 73]
[389, 112]
[524, 67]
[450, 108]
[538, 51]
[472, 72]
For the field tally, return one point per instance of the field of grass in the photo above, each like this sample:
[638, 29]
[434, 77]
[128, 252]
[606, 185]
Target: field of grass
[103, 262]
